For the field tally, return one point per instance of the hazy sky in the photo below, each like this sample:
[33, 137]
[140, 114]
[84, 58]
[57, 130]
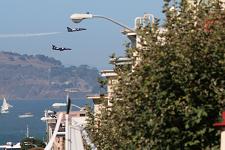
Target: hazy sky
[22, 19]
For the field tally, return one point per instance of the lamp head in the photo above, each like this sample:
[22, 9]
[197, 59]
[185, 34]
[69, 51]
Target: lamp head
[77, 18]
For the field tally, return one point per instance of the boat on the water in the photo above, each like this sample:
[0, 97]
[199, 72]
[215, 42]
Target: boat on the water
[26, 115]
[5, 106]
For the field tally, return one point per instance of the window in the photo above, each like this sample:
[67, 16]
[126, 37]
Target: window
[82, 115]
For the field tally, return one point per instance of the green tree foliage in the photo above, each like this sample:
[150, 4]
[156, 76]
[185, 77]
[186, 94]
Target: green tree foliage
[177, 91]
[29, 143]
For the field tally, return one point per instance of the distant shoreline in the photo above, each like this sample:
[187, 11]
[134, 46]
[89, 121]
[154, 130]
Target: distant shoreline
[47, 99]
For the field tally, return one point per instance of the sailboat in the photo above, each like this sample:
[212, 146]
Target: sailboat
[5, 106]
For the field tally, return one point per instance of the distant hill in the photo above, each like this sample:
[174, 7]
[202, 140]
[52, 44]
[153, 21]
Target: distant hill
[42, 77]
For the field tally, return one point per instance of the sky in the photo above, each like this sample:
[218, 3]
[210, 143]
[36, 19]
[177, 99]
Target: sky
[32, 26]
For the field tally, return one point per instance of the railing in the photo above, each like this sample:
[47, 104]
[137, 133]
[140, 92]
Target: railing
[50, 143]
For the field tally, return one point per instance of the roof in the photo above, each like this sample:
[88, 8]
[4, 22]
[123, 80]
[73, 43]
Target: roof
[11, 146]
[121, 61]
[108, 73]
[93, 97]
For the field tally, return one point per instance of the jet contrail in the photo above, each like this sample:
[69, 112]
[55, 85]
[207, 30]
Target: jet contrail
[28, 34]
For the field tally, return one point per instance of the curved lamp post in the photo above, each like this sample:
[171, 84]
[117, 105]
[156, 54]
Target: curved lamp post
[77, 18]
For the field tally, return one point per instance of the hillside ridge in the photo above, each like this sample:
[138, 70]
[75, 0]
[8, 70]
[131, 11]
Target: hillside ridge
[42, 77]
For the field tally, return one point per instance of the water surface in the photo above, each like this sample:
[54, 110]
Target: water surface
[13, 128]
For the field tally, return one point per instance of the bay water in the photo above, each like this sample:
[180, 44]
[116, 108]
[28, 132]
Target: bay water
[13, 129]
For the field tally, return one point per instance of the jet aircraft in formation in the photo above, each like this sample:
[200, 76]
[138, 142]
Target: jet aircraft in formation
[69, 30]
[60, 48]
[76, 29]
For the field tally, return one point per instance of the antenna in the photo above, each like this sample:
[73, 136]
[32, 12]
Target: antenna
[27, 134]
[68, 105]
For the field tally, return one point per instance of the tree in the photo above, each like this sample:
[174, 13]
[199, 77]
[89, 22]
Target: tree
[32, 143]
[176, 92]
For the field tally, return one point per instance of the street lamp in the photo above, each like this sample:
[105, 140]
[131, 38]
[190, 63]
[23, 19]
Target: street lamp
[77, 18]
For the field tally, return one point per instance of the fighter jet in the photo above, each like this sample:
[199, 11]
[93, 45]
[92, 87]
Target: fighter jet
[60, 48]
[76, 29]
